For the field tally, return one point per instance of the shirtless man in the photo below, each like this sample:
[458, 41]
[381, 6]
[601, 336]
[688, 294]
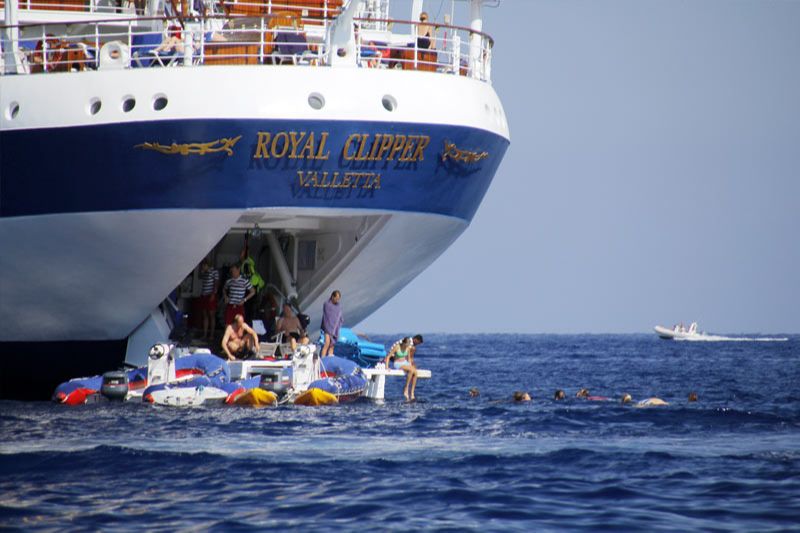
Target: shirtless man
[239, 339]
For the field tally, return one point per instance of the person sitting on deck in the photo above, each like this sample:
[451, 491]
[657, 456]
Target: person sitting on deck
[290, 326]
[424, 32]
[403, 354]
[240, 340]
[416, 341]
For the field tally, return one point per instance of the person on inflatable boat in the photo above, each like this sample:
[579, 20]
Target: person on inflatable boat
[403, 354]
[240, 340]
[332, 321]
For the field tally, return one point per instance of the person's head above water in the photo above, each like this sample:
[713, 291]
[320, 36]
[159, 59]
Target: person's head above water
[692, 396]
[626, 398]
[521, 396]
[474, 392]
[583, 393]
[559, 395]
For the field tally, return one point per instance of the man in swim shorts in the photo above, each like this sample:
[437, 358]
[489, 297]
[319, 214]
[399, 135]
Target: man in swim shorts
[240, 340]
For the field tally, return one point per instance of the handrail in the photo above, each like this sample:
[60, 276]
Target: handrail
[465, 29]
[242, 39]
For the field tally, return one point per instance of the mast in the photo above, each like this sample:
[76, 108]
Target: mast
[475, 39]
[11, 64]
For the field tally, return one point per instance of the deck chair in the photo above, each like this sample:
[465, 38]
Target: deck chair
[291, 47]
[283, 349]
[144, 54]
[267, 349]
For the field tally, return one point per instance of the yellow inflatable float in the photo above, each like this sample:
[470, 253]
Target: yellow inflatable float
[316, 397]
[257, 398]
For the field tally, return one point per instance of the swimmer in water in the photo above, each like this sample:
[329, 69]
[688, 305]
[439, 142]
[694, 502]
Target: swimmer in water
[559, 395]
[521, 396]
[597, 398]
[583, 393]
[650, 402]
[474, 392]
[692, 396]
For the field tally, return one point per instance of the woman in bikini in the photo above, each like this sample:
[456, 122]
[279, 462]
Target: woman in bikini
[403, 353]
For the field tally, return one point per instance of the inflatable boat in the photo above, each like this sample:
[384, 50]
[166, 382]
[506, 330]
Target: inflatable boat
[340, 378]
[168, 367]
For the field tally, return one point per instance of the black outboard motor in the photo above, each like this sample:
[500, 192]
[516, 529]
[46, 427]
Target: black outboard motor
[115, 385]
[278, 382]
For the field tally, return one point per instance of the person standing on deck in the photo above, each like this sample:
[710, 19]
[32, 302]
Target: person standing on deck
[209, 280]
[332, 320]
[236, 292]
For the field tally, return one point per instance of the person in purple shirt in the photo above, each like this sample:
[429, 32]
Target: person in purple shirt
[332, 320]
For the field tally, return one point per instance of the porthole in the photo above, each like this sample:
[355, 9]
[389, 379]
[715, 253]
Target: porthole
[94, 106]
[12, 111]
[316, 101]
[128, 103]
[160, 102]
[389, 102]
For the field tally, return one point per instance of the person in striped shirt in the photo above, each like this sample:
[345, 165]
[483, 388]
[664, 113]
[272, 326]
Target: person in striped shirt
[207, 303]
[236, 292]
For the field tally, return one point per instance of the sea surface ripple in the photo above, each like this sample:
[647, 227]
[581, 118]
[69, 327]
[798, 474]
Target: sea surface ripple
[729, 462]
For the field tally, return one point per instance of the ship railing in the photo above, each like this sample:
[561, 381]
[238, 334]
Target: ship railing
[105, 7]
[281, 37]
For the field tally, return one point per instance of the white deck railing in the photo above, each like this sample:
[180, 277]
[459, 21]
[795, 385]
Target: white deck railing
[279, 37]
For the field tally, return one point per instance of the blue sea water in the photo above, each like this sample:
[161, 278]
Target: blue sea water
[729, 462]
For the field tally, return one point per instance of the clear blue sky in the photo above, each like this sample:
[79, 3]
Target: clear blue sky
[653, 175]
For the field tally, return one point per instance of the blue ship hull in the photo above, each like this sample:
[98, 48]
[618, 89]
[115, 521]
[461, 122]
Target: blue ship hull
[420, 168]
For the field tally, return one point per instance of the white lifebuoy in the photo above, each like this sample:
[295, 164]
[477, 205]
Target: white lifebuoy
[114, 55]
